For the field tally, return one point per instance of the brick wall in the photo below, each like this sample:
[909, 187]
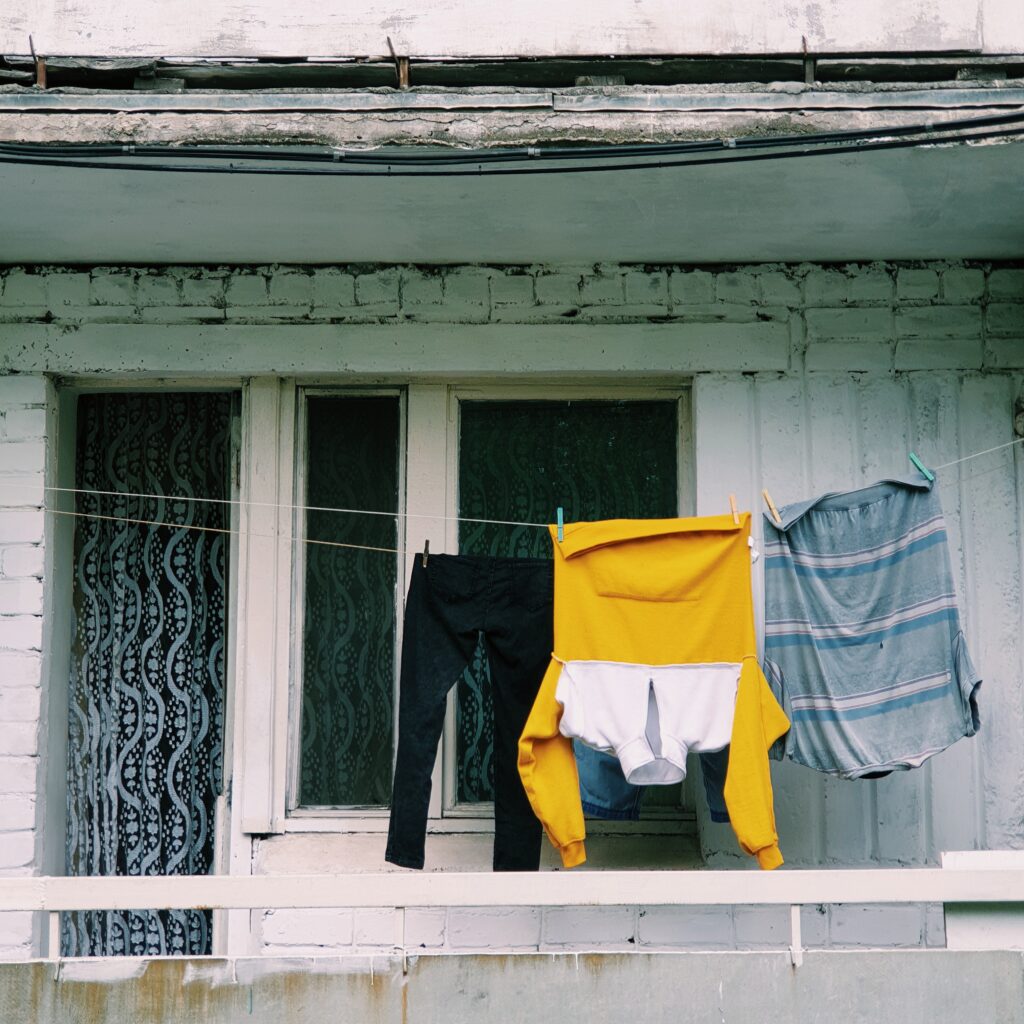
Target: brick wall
[862, 317]
[576, 929]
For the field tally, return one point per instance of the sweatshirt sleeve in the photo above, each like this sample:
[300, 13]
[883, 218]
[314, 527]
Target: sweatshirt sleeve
[547, 767]
[758, 723]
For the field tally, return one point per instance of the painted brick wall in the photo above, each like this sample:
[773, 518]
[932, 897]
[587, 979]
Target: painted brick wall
[23, 419]
[863, 317]
[578, 929]
[879, 319]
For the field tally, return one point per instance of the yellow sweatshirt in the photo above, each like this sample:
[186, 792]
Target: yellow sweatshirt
[655, 592]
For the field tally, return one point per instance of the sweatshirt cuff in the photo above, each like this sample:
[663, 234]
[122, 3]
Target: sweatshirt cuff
[769, 857]
[573, 854]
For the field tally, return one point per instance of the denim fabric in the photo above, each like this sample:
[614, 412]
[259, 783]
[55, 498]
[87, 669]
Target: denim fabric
[713, 767]
[451, 603]
[604, 791]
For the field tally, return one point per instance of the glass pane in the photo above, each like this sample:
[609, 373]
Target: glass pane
[348, 655]
[519, 461]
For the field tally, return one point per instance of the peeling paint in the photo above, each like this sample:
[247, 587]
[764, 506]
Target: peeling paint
[103, 970]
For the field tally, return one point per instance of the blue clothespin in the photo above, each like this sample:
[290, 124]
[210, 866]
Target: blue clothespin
[561, 524]
[928, 474]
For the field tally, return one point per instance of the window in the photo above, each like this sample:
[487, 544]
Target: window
[350, 571]
[472, 454]
[520, 460]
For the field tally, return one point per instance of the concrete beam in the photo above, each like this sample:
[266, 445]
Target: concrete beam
[464, 118]
[419, 351]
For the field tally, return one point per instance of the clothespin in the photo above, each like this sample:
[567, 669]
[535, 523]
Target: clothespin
[771, 507]
[426, 552]
[561, 523]
[927, 473]
[735, 513]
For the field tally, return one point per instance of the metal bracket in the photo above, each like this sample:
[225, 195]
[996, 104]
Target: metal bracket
[810, 64]
[401, 66]
[40, 65]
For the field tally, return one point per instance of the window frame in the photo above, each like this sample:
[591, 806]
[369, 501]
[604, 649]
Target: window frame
[428, 507]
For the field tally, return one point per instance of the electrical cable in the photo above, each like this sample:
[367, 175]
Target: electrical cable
[531, 153]
[390, 169]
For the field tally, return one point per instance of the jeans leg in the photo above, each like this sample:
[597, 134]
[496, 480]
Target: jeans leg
[519, 650]
[434, 654]
[604, 791]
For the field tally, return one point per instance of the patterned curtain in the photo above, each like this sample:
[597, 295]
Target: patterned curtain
[348, 650]
[520, 461]
[146, 700]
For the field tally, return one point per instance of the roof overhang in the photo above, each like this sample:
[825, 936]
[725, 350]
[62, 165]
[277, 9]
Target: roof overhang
[833, 203]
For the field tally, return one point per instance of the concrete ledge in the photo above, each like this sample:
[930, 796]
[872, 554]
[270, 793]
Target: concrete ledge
[418, 350]
[903, 987]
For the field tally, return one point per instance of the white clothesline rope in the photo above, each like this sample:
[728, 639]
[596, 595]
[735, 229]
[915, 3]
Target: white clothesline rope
[310, 508]
[974, 455]
[280, 505]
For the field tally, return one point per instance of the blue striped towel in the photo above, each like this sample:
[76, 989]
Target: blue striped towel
[863, 645]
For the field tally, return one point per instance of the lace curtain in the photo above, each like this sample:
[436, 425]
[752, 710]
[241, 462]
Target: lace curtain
[146, 694]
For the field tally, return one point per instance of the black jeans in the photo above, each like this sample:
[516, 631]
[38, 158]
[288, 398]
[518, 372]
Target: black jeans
[451, 602]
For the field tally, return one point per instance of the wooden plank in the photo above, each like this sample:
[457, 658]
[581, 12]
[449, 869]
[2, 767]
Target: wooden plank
[953, 796]
[898, 811]
[723, 441]
[849, 810]
[992, 618]
[782, 439]
[264, 591]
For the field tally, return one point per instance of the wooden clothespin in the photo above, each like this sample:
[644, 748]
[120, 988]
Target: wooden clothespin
[426, 552]
[927, 473]
[561, 523]
[735, 513]
[771, 507]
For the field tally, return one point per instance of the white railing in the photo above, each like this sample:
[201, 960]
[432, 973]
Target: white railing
[995, 879]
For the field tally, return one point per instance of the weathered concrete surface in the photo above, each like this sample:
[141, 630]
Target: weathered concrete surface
[921, 202]
[561, 119]
[870, 987]
[529, 28]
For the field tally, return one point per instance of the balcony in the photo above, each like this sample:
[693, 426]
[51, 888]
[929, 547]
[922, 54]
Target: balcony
[977, 976]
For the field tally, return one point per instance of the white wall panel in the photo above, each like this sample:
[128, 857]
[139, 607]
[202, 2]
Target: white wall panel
[454, 28]
[822, 432]
[991, 523]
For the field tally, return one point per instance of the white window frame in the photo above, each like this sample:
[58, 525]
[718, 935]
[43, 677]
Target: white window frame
[428, 466]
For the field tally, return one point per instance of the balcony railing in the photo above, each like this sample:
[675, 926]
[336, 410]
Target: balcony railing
[968, 878]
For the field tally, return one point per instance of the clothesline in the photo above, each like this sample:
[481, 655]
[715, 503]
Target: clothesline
[282, 537]
[276, 505]
[974, 455]
[373, 512]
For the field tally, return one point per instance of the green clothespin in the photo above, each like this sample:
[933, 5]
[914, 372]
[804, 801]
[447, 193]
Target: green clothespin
[927, 473]
[561, 524]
